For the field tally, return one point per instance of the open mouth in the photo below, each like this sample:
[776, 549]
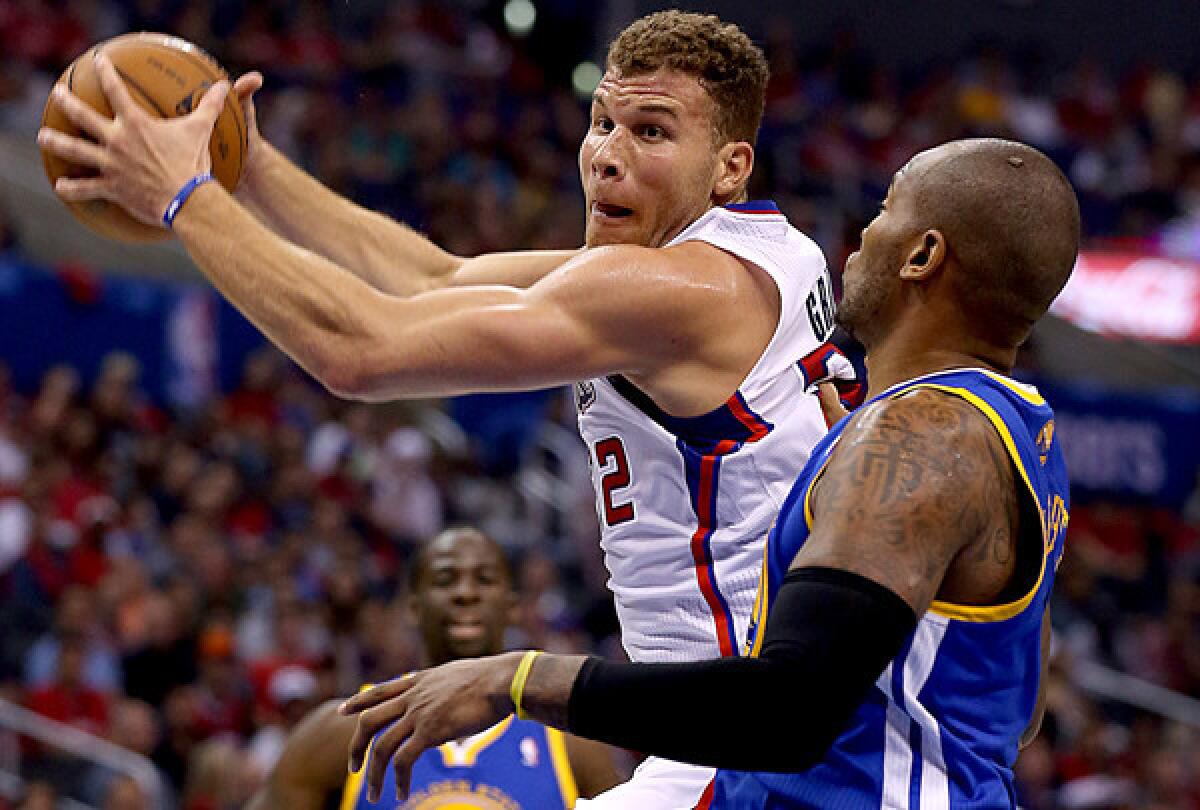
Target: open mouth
[610, 211]
[465, 630]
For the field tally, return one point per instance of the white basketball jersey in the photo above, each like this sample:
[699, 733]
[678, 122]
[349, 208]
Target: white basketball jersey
[685, 504]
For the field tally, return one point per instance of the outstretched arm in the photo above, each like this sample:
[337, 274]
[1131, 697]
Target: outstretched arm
[312, 766]
[386, 254]
[602, 313]
[620, 309]
[914, 482]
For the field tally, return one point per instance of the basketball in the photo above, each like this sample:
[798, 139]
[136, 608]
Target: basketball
[167, 76]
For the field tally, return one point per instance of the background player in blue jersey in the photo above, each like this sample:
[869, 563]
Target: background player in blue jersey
[900, 638]
[462, 599]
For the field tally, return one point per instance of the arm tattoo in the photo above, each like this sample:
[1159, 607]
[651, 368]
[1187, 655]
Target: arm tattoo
[913, 482]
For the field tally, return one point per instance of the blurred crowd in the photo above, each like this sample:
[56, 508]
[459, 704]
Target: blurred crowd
[187, 584]
[433, 112]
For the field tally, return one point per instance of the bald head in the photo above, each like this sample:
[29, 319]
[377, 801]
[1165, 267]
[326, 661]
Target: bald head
[1011, 222]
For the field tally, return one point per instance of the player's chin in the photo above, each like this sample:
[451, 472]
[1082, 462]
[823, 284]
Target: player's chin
[615, 232]
[471, 648]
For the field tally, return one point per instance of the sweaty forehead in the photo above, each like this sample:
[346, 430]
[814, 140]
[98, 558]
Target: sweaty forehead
[663, 85]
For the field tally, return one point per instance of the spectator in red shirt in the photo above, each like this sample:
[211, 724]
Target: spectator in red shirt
[68, 699]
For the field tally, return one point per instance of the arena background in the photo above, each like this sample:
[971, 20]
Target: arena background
[197, 544]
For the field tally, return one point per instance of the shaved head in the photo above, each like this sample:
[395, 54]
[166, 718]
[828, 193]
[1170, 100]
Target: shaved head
[979, 234]
[1010, 219]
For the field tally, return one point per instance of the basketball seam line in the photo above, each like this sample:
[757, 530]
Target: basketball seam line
[125, 78]
[211, 63]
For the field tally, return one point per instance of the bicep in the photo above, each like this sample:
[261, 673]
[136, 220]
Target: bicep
[312, 765]
[520, 269]
[476, 339]
[597, 316]
[907, 489]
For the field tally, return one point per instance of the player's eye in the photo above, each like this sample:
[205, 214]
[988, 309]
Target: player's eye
[654, 132]
[603, 124]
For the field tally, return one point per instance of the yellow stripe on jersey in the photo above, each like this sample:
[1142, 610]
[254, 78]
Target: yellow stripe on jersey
[465, 757]
[1025, 392]
[762, 601]
[354, 782]
[562, 766]
[994, 613]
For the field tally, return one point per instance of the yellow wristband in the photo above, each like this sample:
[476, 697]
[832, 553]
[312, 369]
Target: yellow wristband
[517, 690]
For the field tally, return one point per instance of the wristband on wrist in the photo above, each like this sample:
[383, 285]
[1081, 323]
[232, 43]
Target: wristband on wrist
[182, 197]
[517, 689]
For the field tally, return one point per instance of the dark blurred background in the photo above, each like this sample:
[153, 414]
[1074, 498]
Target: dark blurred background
[197, 544]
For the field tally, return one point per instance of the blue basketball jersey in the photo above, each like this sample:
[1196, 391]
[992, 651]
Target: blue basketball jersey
[941, 726]
[514, 765]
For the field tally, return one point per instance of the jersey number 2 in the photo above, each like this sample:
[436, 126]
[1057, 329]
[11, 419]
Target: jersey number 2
[617, 478]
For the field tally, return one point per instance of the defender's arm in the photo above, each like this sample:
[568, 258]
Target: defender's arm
[913, 483]
[592, 764]
[311, 767]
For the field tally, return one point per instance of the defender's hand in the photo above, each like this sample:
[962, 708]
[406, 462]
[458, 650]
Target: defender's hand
[831, 404]
[142, 162]
[425, 709]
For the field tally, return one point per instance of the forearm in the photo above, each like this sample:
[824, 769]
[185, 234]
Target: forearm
[829, 637]
[311, 308]
[382, 252]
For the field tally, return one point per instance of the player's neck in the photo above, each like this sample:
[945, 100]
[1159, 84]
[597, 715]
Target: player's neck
[911, 351]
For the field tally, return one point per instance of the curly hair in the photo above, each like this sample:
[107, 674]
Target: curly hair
[729, 66]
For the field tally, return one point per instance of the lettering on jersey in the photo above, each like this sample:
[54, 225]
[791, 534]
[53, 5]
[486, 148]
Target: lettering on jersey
[585, 395]
[460, 793]
[820, 308]
[612, 449]
[1056, 521]
[1044, 438]
[529, 752]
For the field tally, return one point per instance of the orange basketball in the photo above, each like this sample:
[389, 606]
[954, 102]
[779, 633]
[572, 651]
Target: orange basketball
[167, 76]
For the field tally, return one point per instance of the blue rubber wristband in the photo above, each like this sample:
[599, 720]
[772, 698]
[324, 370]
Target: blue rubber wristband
[182, 197]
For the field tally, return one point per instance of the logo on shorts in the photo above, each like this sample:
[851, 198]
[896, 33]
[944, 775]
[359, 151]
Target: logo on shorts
[585, 395]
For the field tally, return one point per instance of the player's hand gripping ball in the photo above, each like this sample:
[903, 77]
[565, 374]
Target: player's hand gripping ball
[166, 76]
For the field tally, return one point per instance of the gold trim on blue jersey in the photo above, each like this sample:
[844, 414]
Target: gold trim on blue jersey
[995, 613]
[562, 766]
[950, 610]
[456, 755]
[354, 782]
[762, 601]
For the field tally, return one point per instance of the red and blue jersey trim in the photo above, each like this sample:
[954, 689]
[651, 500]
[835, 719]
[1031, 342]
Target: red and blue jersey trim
[753, 207]
[815, 368]
[702, 441]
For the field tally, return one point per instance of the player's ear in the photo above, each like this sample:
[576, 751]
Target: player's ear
[926, 257]
[735, 161]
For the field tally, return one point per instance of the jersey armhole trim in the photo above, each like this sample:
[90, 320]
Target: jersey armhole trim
[562, 766]
[1003, 612]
